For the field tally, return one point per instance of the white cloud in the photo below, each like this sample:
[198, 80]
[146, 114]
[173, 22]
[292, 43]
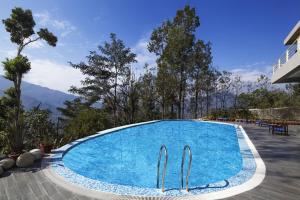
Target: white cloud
[60, 44]
[250, 72]
[53, 75]
[8, 53]
[36, 45]
[143, 55]
[43, 18]
[65, 27]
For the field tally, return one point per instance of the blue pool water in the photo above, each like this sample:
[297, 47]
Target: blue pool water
[129, 156]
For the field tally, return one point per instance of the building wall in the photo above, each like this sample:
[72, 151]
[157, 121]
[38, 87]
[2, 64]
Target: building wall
[286, 113]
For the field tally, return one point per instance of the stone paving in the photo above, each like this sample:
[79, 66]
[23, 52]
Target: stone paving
[281, 155]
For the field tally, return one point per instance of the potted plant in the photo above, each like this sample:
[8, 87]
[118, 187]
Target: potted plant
[46, 145]
[14, 155]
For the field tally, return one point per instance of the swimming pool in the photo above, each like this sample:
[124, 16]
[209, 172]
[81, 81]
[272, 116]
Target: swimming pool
[124, 160]
[129, 156]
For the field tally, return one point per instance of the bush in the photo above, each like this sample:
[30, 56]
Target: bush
[4, 143]
[232, 114]
[38, 128]
[87, 122]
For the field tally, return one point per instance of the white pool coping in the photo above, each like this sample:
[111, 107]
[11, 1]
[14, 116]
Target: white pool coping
[253, 182]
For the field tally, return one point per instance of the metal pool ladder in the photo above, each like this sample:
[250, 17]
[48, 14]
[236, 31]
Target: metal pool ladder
[163, 147]
[186, 147]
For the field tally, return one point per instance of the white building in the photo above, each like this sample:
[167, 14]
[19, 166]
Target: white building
[287, 69]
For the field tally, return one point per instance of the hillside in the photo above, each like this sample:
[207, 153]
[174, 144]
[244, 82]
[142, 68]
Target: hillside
[33, 95]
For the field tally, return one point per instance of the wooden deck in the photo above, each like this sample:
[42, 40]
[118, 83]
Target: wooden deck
[281, 155]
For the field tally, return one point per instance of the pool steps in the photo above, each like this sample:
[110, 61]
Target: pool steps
[186, 147]
[164, 148]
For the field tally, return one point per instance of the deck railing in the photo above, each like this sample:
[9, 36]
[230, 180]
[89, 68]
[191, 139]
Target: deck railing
[287, 55]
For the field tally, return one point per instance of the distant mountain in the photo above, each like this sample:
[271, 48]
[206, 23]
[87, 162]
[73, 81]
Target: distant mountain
[33, 95]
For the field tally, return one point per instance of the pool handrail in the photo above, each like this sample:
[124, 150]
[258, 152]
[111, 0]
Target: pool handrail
[163, 147]
[186, 147]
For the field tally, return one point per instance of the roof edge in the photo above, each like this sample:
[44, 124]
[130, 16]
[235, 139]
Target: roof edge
[293, 35]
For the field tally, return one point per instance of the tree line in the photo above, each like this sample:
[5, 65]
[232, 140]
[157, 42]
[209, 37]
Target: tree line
[184, 64]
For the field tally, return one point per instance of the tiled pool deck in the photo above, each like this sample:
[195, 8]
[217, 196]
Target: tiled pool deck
[281, 155]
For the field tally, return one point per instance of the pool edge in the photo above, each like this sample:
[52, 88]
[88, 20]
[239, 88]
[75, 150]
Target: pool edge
[250, 184]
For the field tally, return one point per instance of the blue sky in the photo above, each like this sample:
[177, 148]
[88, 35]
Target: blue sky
[246, 35]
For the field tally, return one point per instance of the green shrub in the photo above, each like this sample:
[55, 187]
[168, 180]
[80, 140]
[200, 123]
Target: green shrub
[38, 128]
[87, 122]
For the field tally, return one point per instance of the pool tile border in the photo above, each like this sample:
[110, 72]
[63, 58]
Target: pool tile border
[251, 175]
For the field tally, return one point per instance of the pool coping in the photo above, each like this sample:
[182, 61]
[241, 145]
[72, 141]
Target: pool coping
[254, 181]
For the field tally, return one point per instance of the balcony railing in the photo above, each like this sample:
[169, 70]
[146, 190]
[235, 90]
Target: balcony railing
[287, 55]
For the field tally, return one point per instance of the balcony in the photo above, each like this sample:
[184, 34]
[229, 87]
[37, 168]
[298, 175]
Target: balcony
[287, 69]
